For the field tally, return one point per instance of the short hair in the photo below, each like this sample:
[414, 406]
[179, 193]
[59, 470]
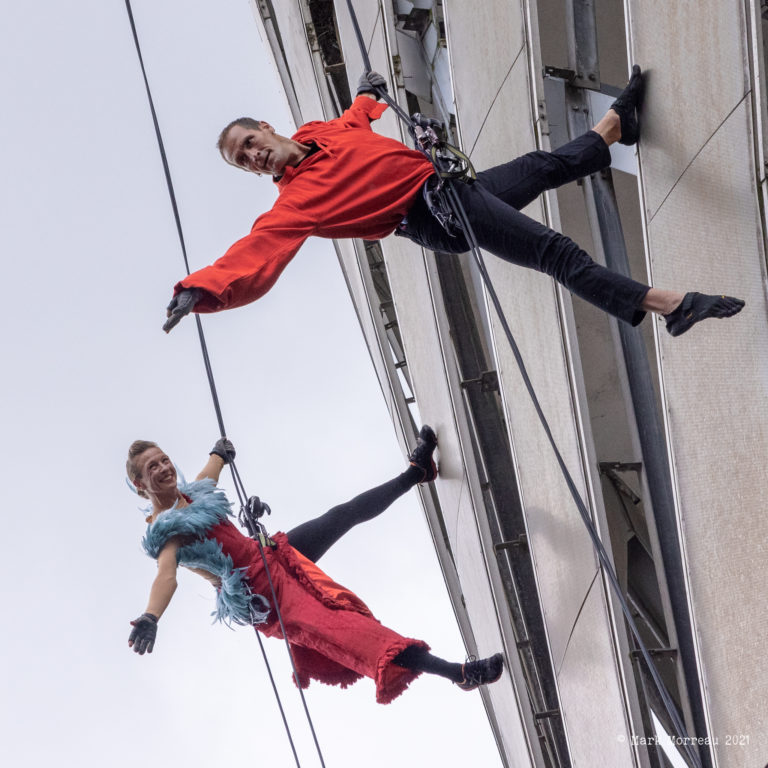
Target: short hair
[137, 448]
[243, 122]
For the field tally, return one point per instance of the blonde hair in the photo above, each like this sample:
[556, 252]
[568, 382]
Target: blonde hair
[137, 448]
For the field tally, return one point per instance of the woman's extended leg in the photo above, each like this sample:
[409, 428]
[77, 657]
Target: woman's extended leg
[467, 676]
[315, 537]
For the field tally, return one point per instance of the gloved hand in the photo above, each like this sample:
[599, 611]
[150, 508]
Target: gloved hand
[181, 304]
[143, 634]
[224, 449]
[369, 82]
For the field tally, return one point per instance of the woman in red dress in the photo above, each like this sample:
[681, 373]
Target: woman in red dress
[334, 637]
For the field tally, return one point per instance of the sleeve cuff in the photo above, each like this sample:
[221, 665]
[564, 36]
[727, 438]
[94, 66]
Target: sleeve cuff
[207, 301]
[374, 109]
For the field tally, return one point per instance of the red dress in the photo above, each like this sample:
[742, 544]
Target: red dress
[359, 184]
[333, 635]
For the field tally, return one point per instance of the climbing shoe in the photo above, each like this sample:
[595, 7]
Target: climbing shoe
[481, 672]
[627, 107]
[699, 306]
[421, 457]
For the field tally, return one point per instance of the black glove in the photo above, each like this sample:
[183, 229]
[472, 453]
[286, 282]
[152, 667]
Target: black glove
[181, 304]
[369, 82]
[143, 634]
[224, 449]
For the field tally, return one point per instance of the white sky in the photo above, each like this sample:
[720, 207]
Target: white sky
[90, 255]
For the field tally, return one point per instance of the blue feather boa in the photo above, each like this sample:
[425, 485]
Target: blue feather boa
[235, 602]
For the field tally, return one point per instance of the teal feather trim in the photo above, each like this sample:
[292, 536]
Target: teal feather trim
[235, 602]
[209, 507]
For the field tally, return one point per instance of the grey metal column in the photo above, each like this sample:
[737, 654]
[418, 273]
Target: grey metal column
[605, 222]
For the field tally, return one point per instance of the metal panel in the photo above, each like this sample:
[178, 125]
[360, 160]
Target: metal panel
[433, 387]
[563, 556]
[697, 73]
[715, 387]
[606, 744]
[416, 74]
[562, 552]
[288, 21]
[704, 232]
[623, 158]
[369, 18]
[416, 317]
[345, 250]
[500, 699]
[489, 38]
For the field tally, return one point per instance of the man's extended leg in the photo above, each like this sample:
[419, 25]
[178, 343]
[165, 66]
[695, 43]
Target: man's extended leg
[506, 232]
[315, 537]
[522, 180]
[502, 230]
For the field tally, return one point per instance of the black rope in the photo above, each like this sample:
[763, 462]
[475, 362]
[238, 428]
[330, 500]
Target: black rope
[277, 695]
[239, 486]
[458, 209]
[580, 505]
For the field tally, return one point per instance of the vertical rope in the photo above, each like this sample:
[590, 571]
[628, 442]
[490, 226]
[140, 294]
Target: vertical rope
[239, 486]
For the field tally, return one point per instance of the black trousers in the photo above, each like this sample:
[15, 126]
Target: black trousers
[492, 204]
[315, 537]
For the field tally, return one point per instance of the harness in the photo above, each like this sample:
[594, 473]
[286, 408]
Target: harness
[251, 511]
[450, 164]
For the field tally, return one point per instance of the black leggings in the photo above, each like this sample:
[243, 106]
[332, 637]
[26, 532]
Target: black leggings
[315, 537]
[493, 206]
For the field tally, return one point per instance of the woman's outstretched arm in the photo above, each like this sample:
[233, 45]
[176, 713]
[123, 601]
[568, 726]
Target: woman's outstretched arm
[223, 452]
[142, 637]
[212, 468]
[164, 584]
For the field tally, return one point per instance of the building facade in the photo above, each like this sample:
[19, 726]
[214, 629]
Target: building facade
[666, 439]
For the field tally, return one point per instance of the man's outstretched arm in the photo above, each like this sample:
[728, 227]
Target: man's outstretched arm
[247, 270]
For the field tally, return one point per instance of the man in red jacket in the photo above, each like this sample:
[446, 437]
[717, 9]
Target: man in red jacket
[340, 179]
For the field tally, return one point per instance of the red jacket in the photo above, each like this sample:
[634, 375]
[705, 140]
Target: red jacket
[359, 184]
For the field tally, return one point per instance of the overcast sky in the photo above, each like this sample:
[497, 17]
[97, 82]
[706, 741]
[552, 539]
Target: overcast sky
[90, 254]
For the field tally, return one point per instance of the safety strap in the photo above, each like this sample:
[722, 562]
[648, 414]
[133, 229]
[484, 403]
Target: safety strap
[449, 161]
[251, 508]
[459, 212]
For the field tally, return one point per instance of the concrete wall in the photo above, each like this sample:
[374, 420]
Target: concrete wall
[302, 85]
[477, 591]
[494, 101]
[700, 188]
[701, 199]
